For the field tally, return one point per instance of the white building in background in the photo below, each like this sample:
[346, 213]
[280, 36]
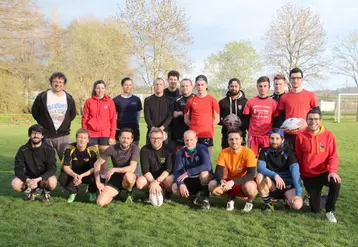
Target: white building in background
[327, 106]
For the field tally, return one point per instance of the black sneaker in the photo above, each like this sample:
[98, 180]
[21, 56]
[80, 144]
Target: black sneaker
[205, 205]
[198, 200]
[31, 195]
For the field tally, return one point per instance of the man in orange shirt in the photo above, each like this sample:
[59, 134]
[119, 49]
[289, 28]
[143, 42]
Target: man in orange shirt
[235, 172]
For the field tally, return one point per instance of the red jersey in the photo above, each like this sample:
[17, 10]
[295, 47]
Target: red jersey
[296, 105]
[99, 117]
[202, 112]
[262, 112]
[316, 154]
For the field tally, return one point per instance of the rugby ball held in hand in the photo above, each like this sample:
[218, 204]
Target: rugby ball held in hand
[156, 199]
[293, 125]
[232, 122]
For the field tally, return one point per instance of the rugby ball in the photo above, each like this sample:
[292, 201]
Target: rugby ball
[156, 199]
[293, 125]
[232, 122]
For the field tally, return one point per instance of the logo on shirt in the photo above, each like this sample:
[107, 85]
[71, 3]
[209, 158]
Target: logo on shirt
[196, 158]
[75, 158]
[105, 106]
[322, 147]
[86, 159]
[239, 107]
[239, 169]
[162, 160]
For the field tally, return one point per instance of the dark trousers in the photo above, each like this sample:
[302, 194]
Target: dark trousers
[66, 182]
[314, 188]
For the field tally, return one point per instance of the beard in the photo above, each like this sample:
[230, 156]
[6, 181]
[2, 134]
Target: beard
[36, 141]
[234, 92]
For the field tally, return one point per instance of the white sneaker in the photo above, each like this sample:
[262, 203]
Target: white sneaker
[248, 207]
[330, 217]
[230, 205]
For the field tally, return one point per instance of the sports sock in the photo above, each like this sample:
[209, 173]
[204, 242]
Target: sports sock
[205, 189]
[267, 199]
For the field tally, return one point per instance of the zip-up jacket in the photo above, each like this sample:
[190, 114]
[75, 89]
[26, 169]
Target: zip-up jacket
[316, 154]
[99, 117]
[42, 116]
[199, 161]
[35, 162]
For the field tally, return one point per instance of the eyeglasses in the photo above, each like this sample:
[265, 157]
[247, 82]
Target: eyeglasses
[295, 78]
[156, 138]
[313, 119]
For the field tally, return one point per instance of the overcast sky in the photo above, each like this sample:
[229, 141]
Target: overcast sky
[214, 23]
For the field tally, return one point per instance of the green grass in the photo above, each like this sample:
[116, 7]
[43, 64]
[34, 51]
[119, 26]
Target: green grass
[174, 224]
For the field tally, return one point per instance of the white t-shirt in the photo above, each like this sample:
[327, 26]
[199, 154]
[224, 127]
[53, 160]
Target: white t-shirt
[57, 107]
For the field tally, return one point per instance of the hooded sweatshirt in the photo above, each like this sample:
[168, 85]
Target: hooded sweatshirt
[228, 106]
[316, 154]
[99, 117]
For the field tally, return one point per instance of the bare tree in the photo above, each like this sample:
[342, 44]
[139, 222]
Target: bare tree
[345, 53]
[296, 38]
[22, 39]
[159, 33]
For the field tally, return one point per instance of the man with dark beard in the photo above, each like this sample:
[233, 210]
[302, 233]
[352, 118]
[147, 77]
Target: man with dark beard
[35, 166]
[233, 103]
[278, 173]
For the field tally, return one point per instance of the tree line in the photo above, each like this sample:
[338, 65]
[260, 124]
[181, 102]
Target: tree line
[145, 39]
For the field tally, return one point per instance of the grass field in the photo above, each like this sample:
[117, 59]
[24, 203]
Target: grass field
[177, 223]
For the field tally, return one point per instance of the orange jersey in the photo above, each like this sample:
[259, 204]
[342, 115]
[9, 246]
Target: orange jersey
[236, 163]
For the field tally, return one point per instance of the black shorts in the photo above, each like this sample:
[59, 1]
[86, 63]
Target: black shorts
[209, 142]
[101, 141]
[280, 194]
[115, 182]
[136, 133]
[193, 185]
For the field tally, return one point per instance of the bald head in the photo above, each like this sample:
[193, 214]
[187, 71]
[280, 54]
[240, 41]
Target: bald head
[190, 139]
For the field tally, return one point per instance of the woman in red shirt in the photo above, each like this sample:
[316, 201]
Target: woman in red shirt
[99, 118]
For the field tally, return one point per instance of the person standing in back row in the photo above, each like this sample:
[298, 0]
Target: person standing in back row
[128, 107]
[54, 110]
[233, 103]
[261, 111]
[99, 118]
[202, 113]
[158, 112]
[295, 103]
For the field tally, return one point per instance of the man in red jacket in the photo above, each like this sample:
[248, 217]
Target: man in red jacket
[317, 156]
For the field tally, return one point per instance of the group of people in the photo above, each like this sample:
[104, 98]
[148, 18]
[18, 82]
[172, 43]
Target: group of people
[177, 155]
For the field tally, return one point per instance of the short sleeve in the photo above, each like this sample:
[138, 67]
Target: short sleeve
[108, 152]
[247, 109]
[314, 101]
[139, 104]
[221, 159]
[135, 153]
[67, 159]
[188, 106]
[215, 105]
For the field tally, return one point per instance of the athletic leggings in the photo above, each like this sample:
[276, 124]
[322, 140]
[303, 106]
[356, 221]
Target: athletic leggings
[314, 188]
[66, 182]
